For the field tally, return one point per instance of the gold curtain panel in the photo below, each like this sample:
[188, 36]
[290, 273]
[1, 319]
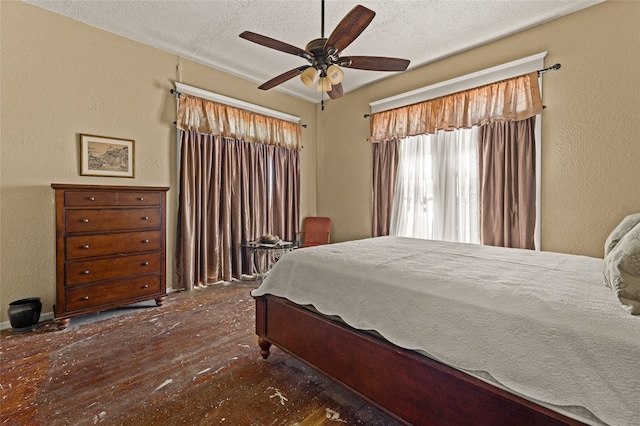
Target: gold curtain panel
[208, 117]
[512, 99]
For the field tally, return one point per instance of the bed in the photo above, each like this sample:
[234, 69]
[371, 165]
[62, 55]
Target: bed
[443, 333]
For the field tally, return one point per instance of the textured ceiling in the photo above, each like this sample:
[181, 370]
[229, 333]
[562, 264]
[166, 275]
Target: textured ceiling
[207, 32]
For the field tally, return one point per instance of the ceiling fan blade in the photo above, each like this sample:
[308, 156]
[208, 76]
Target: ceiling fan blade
[282, 78]
[349, 28]
[375, 63]
[336, 91]
[275, 44]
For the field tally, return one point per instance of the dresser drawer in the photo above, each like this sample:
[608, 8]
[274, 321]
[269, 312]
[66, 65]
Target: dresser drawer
[104, 269]
[82, 246]
[102, 294]
[139, 199]
[90, 198]
[84, 220]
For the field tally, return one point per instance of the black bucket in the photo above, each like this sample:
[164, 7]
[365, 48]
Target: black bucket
[24, 314]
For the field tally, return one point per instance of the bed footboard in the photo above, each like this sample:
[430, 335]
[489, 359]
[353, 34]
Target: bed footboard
[409, 387]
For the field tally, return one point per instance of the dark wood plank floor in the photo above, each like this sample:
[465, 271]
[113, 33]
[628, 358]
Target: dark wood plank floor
[193, 361]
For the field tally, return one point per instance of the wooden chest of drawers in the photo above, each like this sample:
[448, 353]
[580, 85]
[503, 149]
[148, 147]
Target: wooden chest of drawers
[110, 248]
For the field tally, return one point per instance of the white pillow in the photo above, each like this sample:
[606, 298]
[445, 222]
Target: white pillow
[621, 269]
[627, 224]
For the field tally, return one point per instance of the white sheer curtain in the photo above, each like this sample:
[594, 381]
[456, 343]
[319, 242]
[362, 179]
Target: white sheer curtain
[436, 194]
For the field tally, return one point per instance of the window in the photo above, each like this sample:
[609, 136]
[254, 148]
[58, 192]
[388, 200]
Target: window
[398, 116]
[436, 194]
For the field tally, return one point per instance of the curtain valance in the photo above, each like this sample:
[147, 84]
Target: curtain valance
[208, 117]
[513, 99]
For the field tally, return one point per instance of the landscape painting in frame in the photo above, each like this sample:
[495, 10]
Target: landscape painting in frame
[104, 156]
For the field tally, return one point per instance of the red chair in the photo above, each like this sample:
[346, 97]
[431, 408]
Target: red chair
[315, 232]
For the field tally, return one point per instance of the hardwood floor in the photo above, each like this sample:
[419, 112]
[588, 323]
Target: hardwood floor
[193, 361]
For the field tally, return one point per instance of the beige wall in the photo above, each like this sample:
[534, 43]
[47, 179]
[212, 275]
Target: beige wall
[60, 78]
[590, 138]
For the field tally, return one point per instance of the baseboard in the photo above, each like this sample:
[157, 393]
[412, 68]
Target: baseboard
[48, 316]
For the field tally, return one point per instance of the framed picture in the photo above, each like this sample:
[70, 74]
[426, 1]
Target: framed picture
[104, 156]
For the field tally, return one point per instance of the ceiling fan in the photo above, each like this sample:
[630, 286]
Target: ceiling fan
[324, 57]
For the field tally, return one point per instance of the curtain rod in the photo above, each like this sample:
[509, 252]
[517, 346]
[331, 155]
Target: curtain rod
[551, 68]
[540, 72]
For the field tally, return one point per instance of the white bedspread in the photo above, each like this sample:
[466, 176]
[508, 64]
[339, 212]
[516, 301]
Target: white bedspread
[539, 324]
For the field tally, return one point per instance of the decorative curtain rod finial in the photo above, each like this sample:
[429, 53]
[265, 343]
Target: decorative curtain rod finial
[552, 67]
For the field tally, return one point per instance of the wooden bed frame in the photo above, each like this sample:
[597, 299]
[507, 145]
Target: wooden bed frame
[411, 388]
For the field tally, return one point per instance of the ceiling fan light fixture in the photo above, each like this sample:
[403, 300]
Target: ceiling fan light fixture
[308, 76]
[324, 85]
[335, 74]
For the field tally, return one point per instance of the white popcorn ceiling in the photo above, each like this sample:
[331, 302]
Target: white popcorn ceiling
[207, 32]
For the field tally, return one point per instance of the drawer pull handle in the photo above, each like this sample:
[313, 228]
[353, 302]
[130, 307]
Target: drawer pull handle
[92, 199]
[146, 218]
[85, 272]
[141, 198]
[145, 241]
[85, 298]
[85, 220]
[145, 263]
[145, 286]
[86, 246]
